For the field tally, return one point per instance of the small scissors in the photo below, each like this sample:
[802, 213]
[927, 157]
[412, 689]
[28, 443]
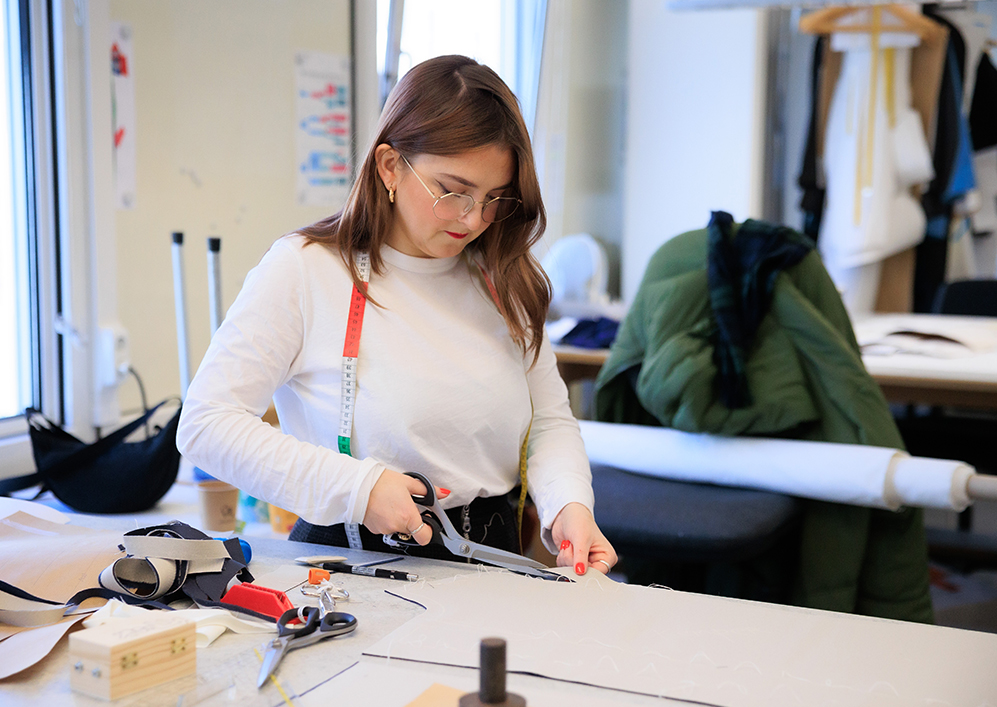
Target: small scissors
[316, 623]
[445, 534]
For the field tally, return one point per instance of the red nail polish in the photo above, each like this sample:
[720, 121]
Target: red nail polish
[580, 568]
[444, 492]
[565, 544]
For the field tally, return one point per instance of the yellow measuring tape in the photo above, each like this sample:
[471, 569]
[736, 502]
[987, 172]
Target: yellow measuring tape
[863, 170]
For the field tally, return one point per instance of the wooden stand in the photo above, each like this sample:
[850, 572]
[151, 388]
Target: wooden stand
[492, 679]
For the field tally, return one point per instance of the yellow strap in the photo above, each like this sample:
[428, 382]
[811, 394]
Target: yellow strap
[522, 480]
[526, 440]
[863, 166]
[877, 21]
[889, 80]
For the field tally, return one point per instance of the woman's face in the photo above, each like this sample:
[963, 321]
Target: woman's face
[484, 174]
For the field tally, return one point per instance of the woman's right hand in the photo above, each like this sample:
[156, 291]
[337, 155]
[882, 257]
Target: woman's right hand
[391, 509]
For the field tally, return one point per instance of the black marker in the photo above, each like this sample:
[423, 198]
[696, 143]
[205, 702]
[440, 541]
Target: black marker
[370, 571]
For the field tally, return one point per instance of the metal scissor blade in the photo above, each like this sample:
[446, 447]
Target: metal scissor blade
[271, 659]
[500, 558]
[516, 563]
[511, 560]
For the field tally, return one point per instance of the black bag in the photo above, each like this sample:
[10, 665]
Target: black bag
[108, 476]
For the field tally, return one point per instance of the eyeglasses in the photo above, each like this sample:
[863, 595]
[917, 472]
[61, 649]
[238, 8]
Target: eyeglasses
[451, 207]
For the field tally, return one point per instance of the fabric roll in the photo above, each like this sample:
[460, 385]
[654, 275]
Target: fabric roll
[932, 483]
[860, 475]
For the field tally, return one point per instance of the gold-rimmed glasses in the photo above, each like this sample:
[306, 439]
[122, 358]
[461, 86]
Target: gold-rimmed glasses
[451, 207]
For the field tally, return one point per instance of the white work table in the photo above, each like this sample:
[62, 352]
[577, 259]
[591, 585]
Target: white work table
[745, 638]
[968, 380]
[311, 671]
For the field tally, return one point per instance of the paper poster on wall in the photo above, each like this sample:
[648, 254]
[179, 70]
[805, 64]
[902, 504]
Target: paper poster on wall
[323, 132]
[123, 114]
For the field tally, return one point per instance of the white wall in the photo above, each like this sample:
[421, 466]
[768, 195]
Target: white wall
[214, 96]
[695, 123]
[593, 199]
[580, 126]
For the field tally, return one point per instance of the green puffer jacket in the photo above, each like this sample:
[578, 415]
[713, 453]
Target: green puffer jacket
[807, 381]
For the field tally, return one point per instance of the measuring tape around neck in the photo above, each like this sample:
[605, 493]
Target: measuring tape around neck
[348, 395]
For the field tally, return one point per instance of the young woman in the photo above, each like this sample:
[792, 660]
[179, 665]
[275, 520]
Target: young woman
[405, 334]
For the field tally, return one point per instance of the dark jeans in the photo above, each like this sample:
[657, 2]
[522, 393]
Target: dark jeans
[493, 523]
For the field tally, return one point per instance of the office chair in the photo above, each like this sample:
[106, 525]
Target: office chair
[698, 537]
[954, 434]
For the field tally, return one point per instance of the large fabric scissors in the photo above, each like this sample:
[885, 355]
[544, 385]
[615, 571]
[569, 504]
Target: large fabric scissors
[313, 623]
[445, 534]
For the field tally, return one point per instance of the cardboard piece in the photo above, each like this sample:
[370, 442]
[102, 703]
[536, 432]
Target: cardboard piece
[705, 649]
[437, 695]
[52, 561]
[25, 648]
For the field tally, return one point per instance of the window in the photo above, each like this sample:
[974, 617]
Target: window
[506, 35]
[30, 373]
[17, 361]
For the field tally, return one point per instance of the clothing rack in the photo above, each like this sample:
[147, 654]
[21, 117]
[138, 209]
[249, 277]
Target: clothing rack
[785, 4]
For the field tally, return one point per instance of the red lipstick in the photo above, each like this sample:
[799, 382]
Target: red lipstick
[458, 236]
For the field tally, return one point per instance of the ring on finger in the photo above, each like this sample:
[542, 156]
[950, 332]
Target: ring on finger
[608, 566]
[413, 532]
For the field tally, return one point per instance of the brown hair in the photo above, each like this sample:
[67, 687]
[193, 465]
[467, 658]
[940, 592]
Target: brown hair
[446, 106]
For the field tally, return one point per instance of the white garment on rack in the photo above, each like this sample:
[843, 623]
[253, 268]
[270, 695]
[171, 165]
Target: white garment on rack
[870, 213]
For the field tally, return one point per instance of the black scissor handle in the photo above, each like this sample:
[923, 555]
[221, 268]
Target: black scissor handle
[308, 614]
[429, 498]
[337, 622]
[398, 539]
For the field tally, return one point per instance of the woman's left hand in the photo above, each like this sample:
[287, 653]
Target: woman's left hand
[580, 541]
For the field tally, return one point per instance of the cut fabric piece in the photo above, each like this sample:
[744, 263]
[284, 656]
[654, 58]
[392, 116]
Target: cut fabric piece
[703, 649]
[592, 333]
[211, 623]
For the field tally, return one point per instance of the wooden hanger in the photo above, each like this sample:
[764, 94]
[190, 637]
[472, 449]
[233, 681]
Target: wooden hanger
[827, 21]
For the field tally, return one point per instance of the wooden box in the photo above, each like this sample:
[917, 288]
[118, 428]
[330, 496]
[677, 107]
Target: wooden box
[128, 655]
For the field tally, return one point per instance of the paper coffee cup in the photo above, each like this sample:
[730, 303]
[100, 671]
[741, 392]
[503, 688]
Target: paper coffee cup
[219, 502]
[281, 521]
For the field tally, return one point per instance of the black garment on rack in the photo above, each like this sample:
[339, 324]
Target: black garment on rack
[983, 110]
[811, 178]
[932, 252]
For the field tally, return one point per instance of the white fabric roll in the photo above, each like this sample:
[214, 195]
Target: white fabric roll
[933, 483]
[845, 473]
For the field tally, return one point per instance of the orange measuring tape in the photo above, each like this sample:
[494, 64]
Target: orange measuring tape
[351, 352]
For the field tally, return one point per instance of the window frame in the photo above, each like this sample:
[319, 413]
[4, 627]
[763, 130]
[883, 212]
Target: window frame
[58, 217]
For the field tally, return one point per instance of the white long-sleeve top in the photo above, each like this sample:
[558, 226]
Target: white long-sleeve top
[442, 389]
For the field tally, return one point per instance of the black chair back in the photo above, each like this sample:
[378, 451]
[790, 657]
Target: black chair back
[976, 298]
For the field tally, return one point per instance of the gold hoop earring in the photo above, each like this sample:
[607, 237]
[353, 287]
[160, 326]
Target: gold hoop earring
[391, 194]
